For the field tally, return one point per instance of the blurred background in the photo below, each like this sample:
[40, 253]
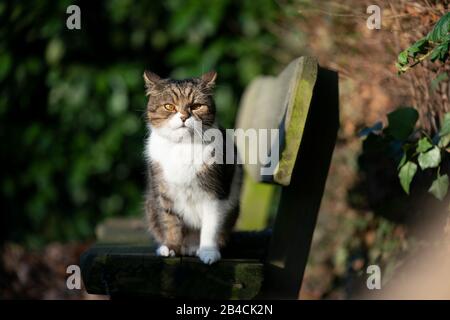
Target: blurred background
[72, 126]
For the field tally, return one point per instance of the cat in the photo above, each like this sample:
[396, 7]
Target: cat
[191, 206]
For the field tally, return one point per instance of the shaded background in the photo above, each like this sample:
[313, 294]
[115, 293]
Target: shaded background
[72, 127]
[73, 100]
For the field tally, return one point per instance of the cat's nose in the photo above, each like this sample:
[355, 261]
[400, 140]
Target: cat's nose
[184, 117]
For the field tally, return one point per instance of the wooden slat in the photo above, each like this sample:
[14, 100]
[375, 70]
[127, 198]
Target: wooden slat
[300, 201]
[134, 270]
[259, 201]
[281, 103]
[124, 271]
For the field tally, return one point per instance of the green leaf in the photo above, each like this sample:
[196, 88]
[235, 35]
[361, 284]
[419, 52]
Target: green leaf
[418, 47]
[439, 52]
[440, 29]
[430, 159]
[403, 57]
[444, 51]
[402, 122]
[445, 126]
[439, 187]
[435, 54]
[423, 145]
[444, 141]
[402, 161]
[406, 175]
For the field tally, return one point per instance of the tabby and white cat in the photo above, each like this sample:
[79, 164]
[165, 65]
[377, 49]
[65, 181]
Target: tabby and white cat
[191, 205]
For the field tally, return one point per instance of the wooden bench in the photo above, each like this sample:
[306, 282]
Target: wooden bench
[302, 102]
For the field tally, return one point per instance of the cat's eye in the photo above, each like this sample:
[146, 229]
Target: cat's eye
[169, 107]
[197, 106]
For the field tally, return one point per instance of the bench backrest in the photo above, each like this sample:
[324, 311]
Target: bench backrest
[303, 103]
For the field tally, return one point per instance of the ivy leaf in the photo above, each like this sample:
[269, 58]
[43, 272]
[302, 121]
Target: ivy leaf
[445, 127]
[439, 187]
[402, 122]
[430, 159]
[444, 141]
[423, 145]
[406, 175]
[402, 161]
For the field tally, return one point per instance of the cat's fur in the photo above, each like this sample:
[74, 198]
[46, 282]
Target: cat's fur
[191, 207]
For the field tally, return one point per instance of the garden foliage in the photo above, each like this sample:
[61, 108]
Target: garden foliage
[72, 101]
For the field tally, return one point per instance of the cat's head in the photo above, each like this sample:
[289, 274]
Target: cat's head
[177, 108]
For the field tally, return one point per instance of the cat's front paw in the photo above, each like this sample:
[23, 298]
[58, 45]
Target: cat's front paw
[208, 255]
[164, 251]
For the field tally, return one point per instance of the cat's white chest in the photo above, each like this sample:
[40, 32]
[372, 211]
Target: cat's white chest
[179, 161]
[180, 164]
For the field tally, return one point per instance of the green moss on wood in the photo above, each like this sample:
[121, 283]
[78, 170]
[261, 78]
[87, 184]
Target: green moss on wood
[140, 274]
[297, 114]
[257, 201]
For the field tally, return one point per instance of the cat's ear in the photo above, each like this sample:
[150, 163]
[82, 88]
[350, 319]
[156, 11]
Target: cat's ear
[209, 79]
[151, 79]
